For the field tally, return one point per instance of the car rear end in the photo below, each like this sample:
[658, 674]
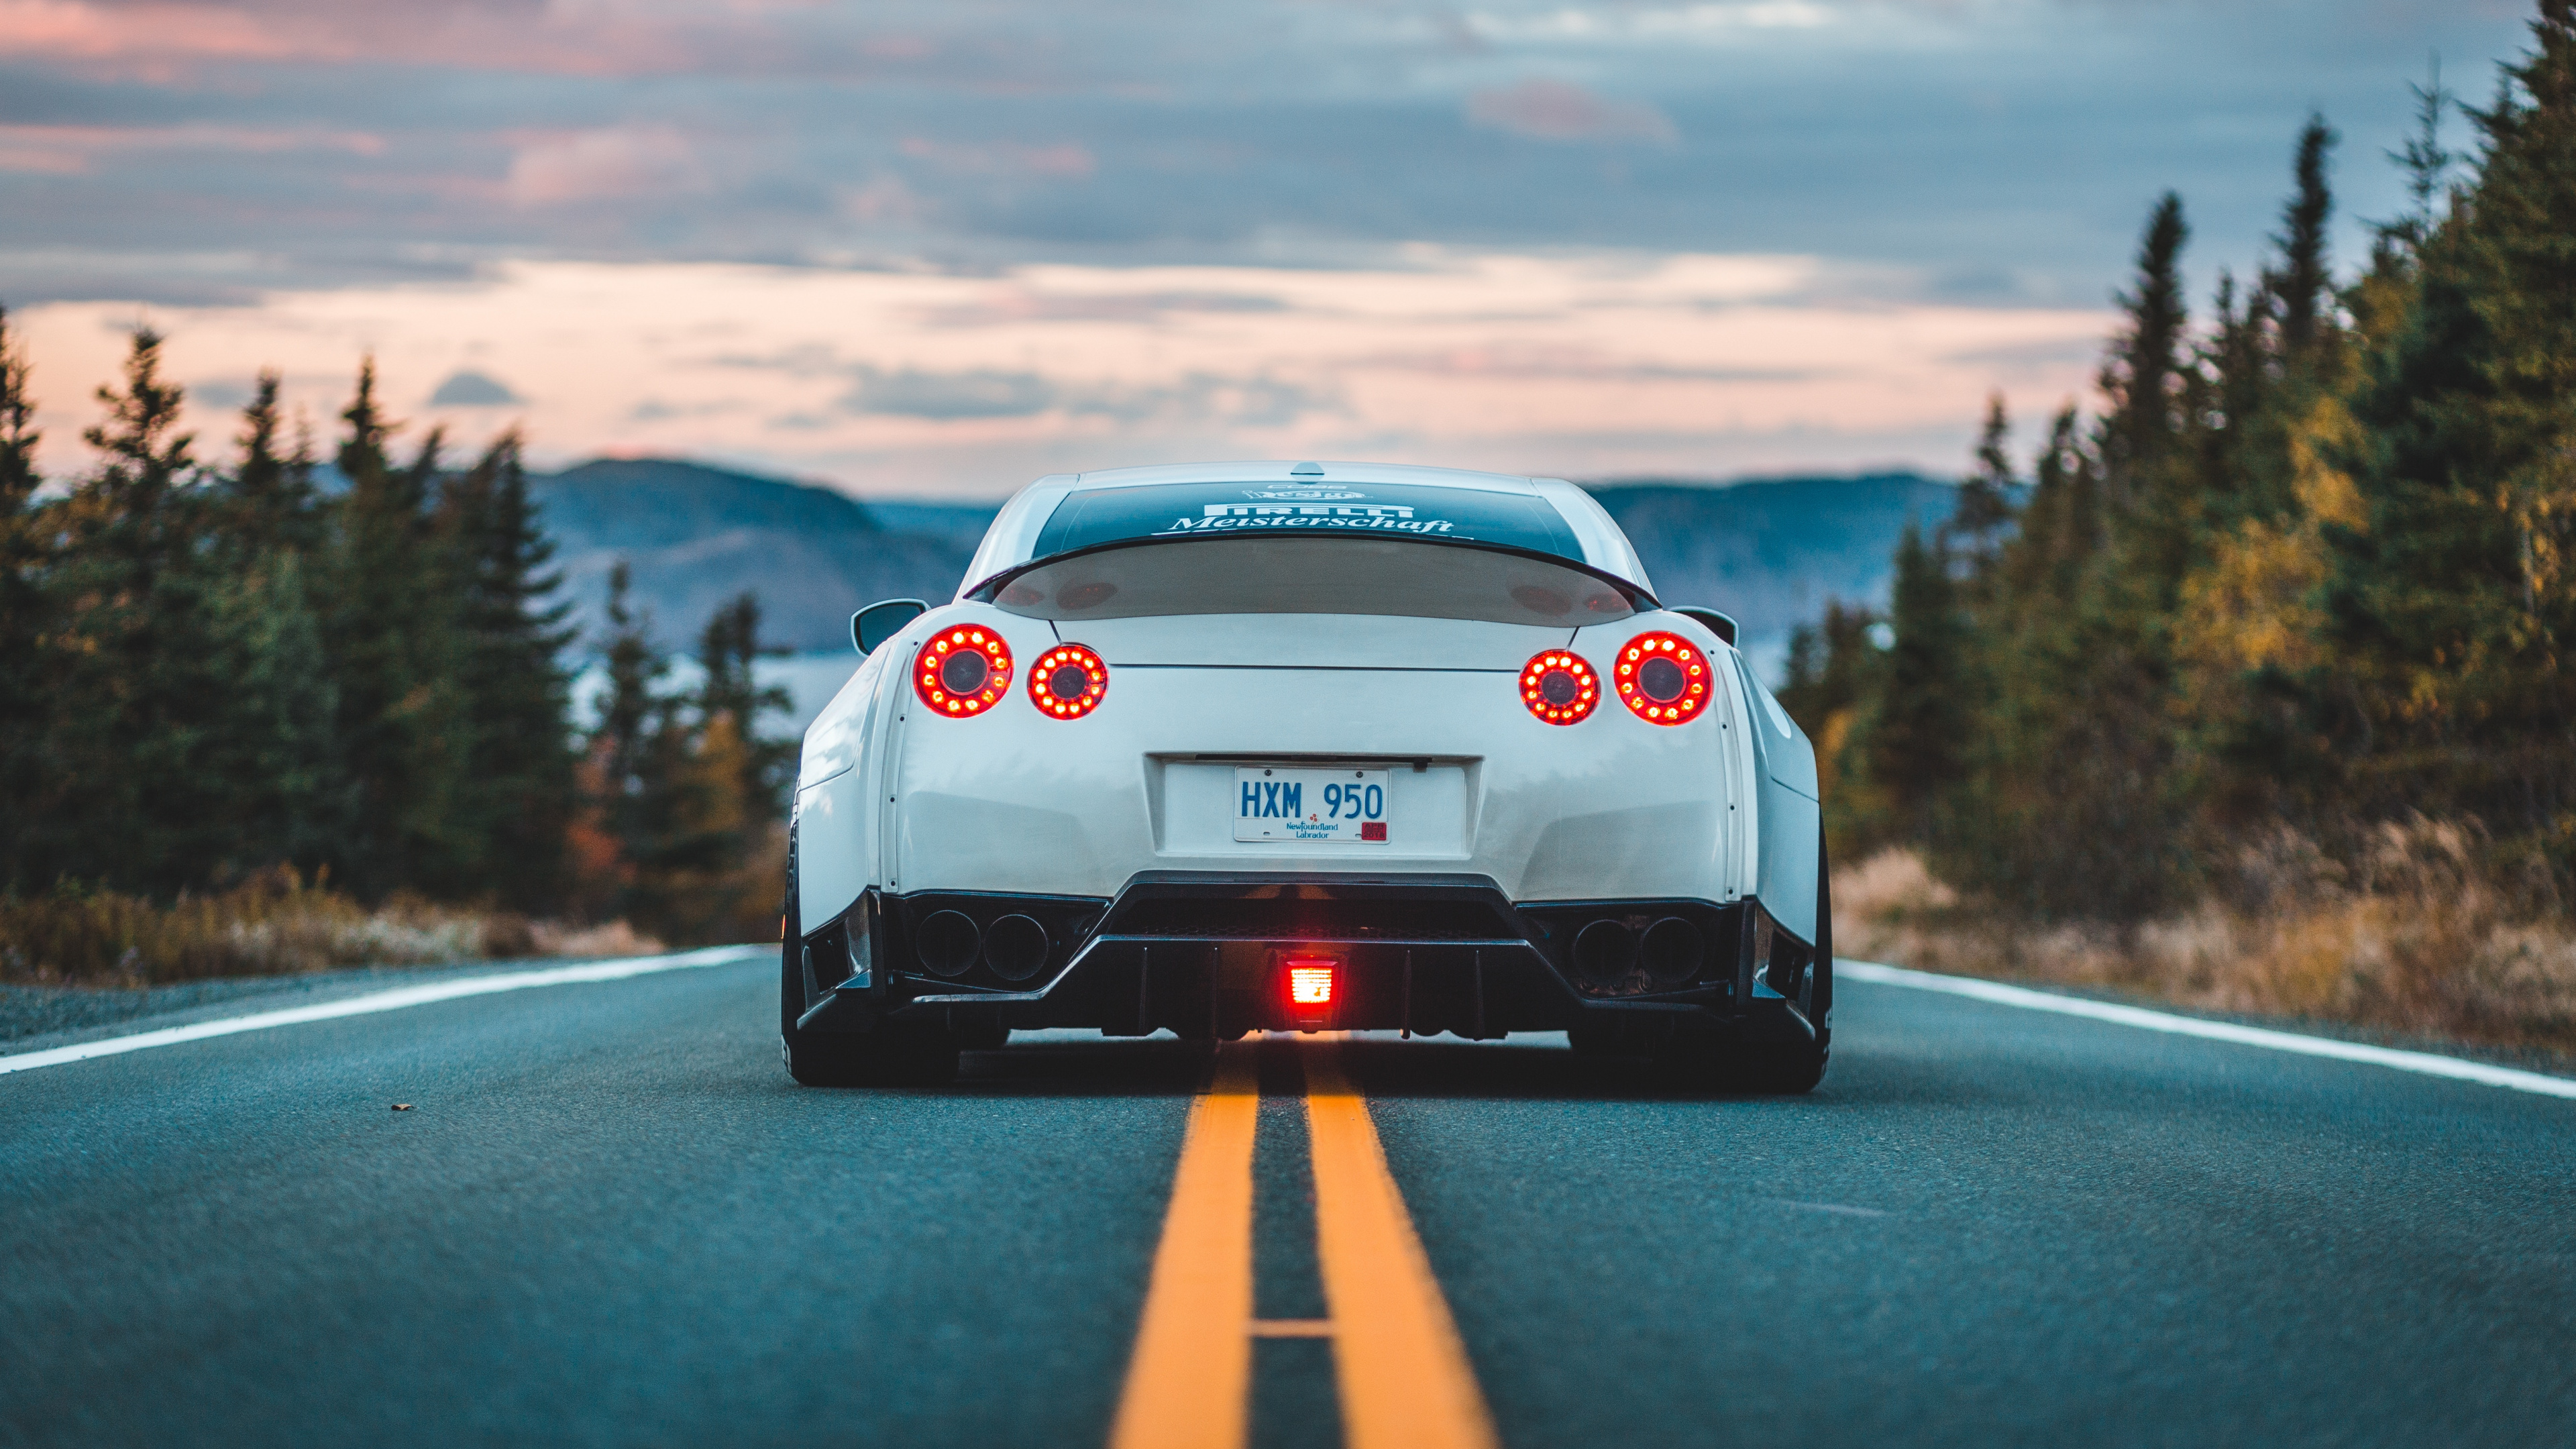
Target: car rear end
[1333, 809]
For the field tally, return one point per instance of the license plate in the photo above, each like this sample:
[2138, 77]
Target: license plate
[1281, 804]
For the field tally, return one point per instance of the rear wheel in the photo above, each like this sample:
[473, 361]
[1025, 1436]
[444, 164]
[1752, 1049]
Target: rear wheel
[1772, 1069]
[890, 1054]
[1790, 1071]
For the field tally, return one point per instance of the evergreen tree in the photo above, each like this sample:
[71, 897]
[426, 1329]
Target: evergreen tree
[1916, 737]
[2143, 379]
[275, 503]
[669, 787]
[23, 697]
[2453, 607]
[135, 694]
[391, 633]
[1985, 507]
[518, 793]
[1832, 679]
[2427, 163]
[269, 748]
[2303, 282]
[727, 650]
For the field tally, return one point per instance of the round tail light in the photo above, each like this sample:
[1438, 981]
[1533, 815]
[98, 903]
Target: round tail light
[965, 669]
[1663, 678]
[1559, 687]
[1067, 682]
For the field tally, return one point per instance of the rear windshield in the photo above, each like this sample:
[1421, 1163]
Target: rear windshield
[1340, 574]
[1275, 510]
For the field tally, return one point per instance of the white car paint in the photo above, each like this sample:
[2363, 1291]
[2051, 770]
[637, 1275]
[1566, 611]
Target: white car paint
[894, 797]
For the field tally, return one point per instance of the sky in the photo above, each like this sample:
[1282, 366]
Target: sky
[935, 250]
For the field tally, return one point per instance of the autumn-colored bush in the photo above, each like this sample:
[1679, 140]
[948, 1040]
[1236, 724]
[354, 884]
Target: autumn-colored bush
[275, 923]
[2429, 933]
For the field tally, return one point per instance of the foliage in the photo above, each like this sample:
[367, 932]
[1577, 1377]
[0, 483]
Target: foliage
[218, 677]
[274, 923]
[2306, 570]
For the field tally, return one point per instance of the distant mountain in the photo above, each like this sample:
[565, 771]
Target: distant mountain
[1772, 551]
[696, 536]
[1768, 551]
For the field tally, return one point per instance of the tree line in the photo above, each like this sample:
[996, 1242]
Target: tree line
[359, 673]
[2309, 568]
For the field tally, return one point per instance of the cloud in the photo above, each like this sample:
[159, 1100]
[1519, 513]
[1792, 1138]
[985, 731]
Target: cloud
[1521, 361]
[1650, 24]
[1550, 110]
[1019, 305]
[473, 390]
[1195, 397]
[1062, 160]
[74, 150]
[603, 165]
[979, 393]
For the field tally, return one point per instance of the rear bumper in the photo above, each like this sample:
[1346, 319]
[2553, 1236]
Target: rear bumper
[1203, 955]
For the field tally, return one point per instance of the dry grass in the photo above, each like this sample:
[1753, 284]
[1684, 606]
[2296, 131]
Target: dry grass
[275, 924]
[2422, 935]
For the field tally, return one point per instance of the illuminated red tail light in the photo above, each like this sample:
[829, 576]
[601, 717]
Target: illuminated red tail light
[1664, 678]
[1067, 682]
[1559, 687]
[1308, 987]
[963, 670]
[1310, 984]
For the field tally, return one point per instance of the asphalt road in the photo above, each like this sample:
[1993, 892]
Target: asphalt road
[611, 1219]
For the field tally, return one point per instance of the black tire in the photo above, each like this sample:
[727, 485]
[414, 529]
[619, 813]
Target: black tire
[1793, 1071]
[1600, 1039]
[1790, 1071]
[1770, 1070]
[892, 1054]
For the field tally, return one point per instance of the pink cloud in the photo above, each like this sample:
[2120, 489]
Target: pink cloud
[1555, 111]
[603, 166]
[159, 40]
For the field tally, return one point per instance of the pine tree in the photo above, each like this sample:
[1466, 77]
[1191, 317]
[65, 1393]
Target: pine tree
[134, 694]
[23, 696]
[1916, 736]
[518, 792]
[2143, 378]
[1832, 677]
[728, 649]
[2303, 282]
[270, 747]
[1985, 507]
[2427, 163]
[2455, 599]
[275, 502]
[668, 785]
[391, 634]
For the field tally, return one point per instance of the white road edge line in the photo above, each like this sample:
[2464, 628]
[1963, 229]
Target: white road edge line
[2280, 1041]
[374, 1001]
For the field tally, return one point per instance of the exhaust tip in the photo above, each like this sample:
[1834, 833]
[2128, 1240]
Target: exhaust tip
[1672, 952]
[1605, 953]
[1016, 947]
[948, 943]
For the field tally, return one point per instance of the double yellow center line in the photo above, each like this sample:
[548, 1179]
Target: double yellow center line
[1398, 1365]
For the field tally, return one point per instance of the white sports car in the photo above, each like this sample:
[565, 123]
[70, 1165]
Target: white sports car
[1236, 746]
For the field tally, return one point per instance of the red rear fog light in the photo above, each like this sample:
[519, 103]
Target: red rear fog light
[1310, 983]
[1310, 989]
